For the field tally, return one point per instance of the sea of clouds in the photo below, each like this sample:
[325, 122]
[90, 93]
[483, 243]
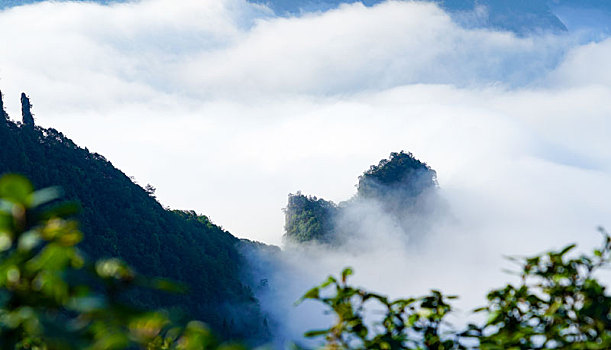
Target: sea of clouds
[226, 108]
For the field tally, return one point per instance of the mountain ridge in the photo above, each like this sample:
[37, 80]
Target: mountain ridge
[121, 219]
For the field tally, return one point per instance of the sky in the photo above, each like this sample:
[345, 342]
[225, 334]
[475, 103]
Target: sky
[227, 108]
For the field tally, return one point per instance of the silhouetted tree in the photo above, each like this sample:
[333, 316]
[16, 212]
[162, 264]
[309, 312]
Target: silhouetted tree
[56, 298]
[150, 190]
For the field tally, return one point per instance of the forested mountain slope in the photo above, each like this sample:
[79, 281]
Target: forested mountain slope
[120, 218]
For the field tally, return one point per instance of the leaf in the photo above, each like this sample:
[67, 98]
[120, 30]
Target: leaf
[5, 241]
[316, 333]
[313, 293]
[553, 308]
[29, 240]
[412, 319]
[567, 249]
[15, 188]
[328, 282]
[345, 273]
[113, 269]
[61, 210]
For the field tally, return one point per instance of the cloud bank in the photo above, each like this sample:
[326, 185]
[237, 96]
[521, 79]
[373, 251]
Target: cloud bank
[226, 108]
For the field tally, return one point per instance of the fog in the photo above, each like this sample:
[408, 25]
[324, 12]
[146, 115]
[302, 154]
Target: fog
[455, 239]
[226, 108]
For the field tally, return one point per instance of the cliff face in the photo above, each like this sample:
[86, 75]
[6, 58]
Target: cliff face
[394, 186]
[120, 218]
[26, 111]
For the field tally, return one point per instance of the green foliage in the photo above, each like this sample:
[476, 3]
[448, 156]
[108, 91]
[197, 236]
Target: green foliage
[51, 297]
[559, 304]
[121, 219]
[395, 183]
[413, 323]
[309, 218]
[402, 173]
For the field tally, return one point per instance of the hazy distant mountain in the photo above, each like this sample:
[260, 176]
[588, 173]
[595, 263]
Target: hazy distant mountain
[519, 16]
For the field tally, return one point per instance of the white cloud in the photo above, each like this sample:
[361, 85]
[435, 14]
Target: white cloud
[301, 102]
[226, 109]
[585, 65]
[218, 49]
[355, 48]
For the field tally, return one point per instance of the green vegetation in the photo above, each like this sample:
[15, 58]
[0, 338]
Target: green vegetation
[559, 304]
[52, 297]
[400, 174]
[121, 219]
[395, 183]
[309, 218]
[407, 323]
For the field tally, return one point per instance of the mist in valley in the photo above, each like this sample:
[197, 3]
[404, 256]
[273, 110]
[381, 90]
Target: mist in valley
[227, 107]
